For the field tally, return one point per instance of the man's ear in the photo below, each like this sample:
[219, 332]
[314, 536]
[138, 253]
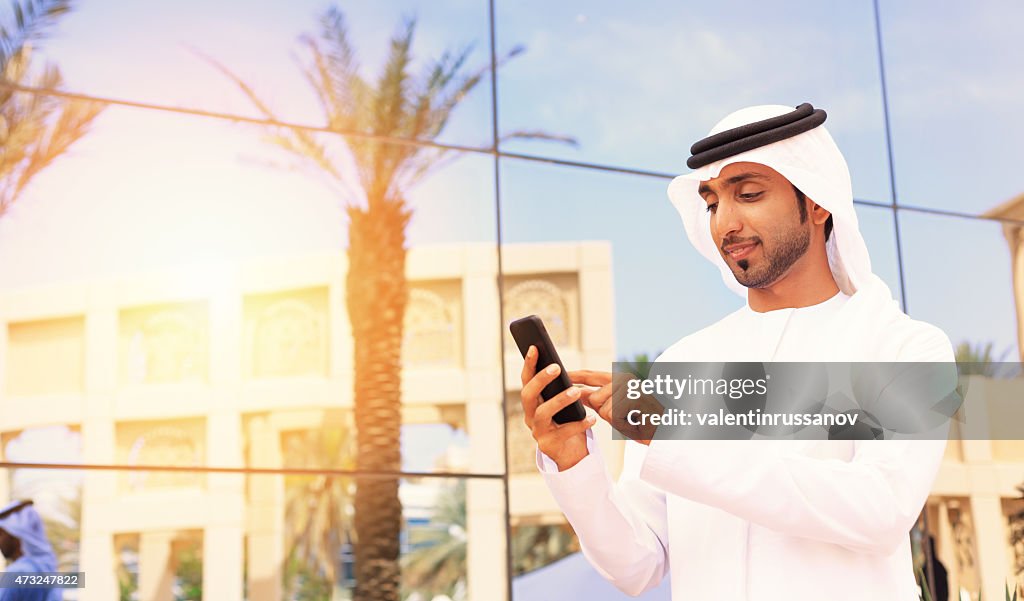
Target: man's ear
[818, 213]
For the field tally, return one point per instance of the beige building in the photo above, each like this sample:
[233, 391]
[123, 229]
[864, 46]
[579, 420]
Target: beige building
[1014, 232]
[975, 493]
[215, 366]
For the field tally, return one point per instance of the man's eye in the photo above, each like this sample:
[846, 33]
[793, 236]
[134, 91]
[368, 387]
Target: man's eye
[750, 195]
[712, 206]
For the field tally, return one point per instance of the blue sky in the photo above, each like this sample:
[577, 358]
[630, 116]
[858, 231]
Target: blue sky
[634, 84]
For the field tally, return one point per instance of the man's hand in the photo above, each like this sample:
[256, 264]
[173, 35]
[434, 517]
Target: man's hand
[613, 386]
[566, 444]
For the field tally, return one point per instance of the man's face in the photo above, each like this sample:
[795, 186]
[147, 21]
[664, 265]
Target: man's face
[756, 222]
[9, 545]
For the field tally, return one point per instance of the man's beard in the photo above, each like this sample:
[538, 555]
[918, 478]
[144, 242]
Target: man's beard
[10, 550]
[784, 252]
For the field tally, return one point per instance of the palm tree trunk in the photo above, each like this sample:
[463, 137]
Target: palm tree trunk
[376, 296]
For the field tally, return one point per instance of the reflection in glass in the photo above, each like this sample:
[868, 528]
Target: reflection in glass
[272, 536]
[45, 357]
[956, 122]
[287, 334]
[56, 493]
[878, 230]
[608, 250]
[959, 279]
[217, 289]
[677, 69]
[178, 443]
[164, 344]
[264, 45]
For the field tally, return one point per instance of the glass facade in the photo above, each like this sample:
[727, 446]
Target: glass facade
[183, 339]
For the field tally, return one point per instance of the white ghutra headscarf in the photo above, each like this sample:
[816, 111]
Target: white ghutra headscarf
[812, 162]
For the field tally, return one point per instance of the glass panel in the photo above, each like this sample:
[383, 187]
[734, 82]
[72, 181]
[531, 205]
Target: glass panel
[878, 230]
[648, 81]
[261, 536]
[952, 102]
[959, 278]
[158, 55]
[604, 258]
[196, 287]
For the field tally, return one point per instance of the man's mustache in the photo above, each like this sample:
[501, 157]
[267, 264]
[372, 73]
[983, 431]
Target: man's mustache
[732, 241]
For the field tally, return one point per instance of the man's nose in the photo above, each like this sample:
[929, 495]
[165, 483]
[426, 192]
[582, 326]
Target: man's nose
[727, 219]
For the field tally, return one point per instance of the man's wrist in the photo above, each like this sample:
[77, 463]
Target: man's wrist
[564, 465]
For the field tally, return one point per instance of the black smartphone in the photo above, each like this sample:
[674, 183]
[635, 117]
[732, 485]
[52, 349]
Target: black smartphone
[530, 330]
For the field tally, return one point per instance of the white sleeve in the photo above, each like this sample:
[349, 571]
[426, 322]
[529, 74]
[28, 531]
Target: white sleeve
[868, 504]
[622, 527]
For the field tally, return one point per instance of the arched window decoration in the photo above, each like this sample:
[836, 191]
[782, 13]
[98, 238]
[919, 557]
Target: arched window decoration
[289, 340]
[429, 331]
[164, 445]
[541, 298]
[168, 346]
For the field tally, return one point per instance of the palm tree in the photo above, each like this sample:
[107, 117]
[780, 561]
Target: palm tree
[35, 129]
[317, 518]
[980, 359]
[397, 104]
[538, 545]
[639, 364]
[437, 565]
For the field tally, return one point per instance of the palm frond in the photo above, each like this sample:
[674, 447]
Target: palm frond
[35, 129]
[392, 89]
[439, 564]
[298, 142]
[334, 74]
[316, 507]
[32, 20]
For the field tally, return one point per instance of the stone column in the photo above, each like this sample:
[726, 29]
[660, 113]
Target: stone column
[222, 561]
[1014, 233]
[265, 514]
[1015, 236]
[987, 513]
[223, 546]
[945, 546]
[99, 488]
[155, 574]
[486, 557]
[223, 570]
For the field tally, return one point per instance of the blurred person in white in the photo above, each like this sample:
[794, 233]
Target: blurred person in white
[24, 545]
[770, 203]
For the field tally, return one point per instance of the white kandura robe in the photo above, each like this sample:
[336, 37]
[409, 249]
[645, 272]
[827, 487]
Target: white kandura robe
[766, 520]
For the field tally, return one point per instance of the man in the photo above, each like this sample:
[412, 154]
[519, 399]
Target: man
[25, 548]
[770, 203]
